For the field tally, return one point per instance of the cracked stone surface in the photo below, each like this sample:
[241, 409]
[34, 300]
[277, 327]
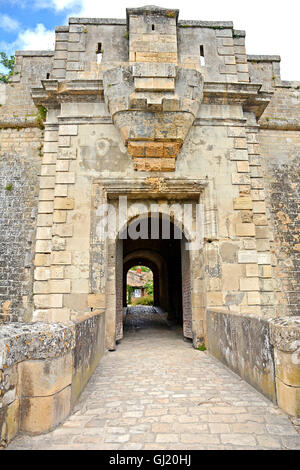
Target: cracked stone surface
[157, 392]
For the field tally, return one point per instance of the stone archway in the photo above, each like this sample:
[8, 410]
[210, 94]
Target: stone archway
[152, 261]
[140, 196]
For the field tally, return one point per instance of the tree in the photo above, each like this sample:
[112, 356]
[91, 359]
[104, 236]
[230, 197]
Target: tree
[149, 287]
[9, 64]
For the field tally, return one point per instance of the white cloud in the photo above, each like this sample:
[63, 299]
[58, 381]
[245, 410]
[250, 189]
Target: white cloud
[39, 38]
[8, 24]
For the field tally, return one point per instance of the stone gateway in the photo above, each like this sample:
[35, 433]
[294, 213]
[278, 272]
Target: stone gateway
[149, 140]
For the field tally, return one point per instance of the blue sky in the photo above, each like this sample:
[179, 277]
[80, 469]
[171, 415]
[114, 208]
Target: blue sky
[272, 26]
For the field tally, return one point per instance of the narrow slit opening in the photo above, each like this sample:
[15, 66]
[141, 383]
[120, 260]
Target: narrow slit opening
[202, 59]
[99, 52]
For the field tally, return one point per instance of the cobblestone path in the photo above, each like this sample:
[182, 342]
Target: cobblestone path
[157, 392]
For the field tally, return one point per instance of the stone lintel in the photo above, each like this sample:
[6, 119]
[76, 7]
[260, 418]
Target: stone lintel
[153, 187]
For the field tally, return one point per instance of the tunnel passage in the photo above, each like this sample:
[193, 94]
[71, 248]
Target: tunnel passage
[148, 241]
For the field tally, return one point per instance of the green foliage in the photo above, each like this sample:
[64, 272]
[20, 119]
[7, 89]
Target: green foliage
[41, 116]
[143, 268]
[201, 347]
[9, 64]
[126, 35]
[146, 300]
[149, 287]
[171, 14]
[129, 290]
[9, 187]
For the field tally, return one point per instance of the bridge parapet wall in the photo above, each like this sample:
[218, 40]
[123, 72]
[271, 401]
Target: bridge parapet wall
[43, 369]
[264, 352]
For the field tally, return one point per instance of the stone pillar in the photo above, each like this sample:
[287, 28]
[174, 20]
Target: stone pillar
[285, 337]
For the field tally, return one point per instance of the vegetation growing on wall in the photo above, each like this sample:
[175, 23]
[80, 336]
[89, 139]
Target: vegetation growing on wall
[9, 64]
[41, 116]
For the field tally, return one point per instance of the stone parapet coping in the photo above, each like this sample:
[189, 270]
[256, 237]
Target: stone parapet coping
[263, 58]
[109, 21]
[34, 53]
[122, 22]
[37, 340]
[22, 341]
[206, 24]
[62, 29]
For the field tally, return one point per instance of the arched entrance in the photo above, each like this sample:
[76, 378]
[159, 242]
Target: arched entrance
[158, 242]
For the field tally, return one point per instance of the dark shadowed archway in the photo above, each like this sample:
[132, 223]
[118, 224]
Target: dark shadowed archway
[162, 250]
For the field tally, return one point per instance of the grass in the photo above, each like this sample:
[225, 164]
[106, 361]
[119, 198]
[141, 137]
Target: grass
[146, 300]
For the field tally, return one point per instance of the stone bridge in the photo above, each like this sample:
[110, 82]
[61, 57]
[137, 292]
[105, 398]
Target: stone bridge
[154, 392]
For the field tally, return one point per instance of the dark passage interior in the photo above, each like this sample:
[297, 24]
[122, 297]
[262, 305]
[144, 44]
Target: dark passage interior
[157, 243]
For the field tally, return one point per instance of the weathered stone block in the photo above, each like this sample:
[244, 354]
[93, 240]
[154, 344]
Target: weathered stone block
[245, 230]
[288, 398]
[248, 256]
[65, 178]
[48, 301]
[59, 217]
[63, 230]
[61, 257]
[214, 298]
[253, 298]
[60, 286]
[46, 377]
[240, 178]
[57, 272]
[41, 414]
[68, 130]
[249, 284]
[242, 203]
[252, 270]
[96, 300]
[287, 367]
[63, 203]
[242, 167]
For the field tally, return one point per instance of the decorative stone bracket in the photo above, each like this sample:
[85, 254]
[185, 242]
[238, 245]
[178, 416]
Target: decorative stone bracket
[154, 106]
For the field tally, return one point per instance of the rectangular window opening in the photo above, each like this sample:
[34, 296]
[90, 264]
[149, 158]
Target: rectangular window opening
[153, 27]
[99, 52]
[202, 59]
